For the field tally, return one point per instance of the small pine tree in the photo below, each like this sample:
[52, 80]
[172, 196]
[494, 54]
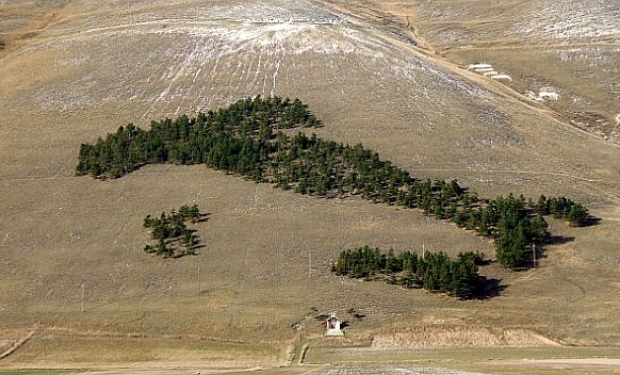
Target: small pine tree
[578, 215]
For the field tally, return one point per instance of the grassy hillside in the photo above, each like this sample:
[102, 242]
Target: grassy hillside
[569, 47]
[98, 65]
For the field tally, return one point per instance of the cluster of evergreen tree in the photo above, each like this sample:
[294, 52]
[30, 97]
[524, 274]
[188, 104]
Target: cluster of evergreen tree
[318, 167]
[249, 138]
[236, 139]
[562, 208]
[170, 234]
[510, 223]
[435, 272]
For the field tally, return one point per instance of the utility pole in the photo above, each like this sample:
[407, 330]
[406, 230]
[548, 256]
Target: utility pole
[423, 250]
[534, 252]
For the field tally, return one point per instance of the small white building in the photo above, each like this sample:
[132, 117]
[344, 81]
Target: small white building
[333, 326]
[502, 77]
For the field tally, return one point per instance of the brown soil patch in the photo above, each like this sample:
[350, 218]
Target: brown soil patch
[451, 336]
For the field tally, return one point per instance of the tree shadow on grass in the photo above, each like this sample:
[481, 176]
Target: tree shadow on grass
[592, 221]
[198, 247]
[359, 316]
[531, 261]
[203, 217]
[489, 288]
[559, 240]
[191, 251]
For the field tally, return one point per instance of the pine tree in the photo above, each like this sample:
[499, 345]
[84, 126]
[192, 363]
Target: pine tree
[578, 215]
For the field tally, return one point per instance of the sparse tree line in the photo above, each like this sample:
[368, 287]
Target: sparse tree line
[435, 272]
[249, 138]
[170, 236]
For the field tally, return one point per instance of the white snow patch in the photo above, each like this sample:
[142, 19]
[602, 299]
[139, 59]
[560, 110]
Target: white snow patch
[568, 19]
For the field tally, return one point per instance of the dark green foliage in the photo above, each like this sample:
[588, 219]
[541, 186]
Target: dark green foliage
[360, 263]
[476, 258]
[435, 272]
[246, 139]
[171, 236]
[577, 215]
[511, 222]
[563, 208]
[236, 139]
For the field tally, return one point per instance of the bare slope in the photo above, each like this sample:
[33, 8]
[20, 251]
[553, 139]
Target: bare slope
[571, 46]
[567, 47]
[267, 255]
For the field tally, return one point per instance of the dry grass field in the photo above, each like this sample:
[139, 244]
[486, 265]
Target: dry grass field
[387, 74]
[569, 46]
